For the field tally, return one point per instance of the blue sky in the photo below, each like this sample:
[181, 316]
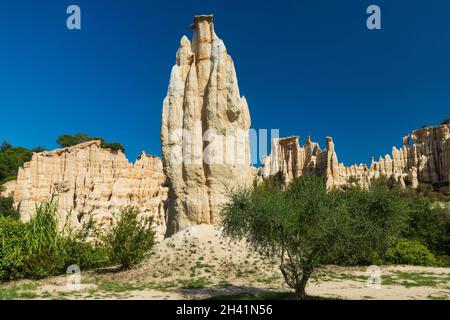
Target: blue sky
[305, 66]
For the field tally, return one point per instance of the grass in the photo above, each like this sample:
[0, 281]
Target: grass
[198, 283]
[406, 279]
[417, 279]
[224, 283]
[268, 280]
[122, 287]
[119, 287]
[18, 291]
[244, 273]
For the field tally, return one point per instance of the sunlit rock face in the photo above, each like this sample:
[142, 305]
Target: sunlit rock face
[87, 180]
[204, 130]
[7, 189]
[423, 158]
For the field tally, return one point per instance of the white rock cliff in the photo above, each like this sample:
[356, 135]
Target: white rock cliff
[423, 158]
[87, 180]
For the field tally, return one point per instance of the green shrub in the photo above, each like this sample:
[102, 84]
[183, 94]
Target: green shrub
[6, 208]
[130, 238]
[411, 252]
[114, 146]
[86, 255]
[381, 214]
[46, 246]
[37, 249]
[13, 251]
[10, 161]
[426, 224]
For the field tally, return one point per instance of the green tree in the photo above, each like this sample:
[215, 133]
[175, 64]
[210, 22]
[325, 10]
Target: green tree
[67, 140]
[130, 239]
[306, 227]
[426, 223]
[446, 121]
[10, 160]
[5, 145]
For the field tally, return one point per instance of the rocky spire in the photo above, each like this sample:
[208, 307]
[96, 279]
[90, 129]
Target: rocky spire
[204, 129]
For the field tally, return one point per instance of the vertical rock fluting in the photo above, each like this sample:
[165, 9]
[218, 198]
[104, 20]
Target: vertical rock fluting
[204, 130]
[291, 160]
[87, 180]
[423, 158]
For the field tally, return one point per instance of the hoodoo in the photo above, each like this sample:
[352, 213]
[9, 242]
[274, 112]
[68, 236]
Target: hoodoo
[203, 106]
[423, 158]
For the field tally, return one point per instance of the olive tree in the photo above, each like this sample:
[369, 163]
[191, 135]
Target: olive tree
[306, 227]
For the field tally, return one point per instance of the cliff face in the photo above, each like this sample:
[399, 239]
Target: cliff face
[291, 160]
[204, 131]
[423, 158]
[88, 180]
[7, 189]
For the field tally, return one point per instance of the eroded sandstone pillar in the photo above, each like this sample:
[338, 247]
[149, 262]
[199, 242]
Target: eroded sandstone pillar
[204, 130]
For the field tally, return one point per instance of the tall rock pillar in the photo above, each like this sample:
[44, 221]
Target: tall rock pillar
[204, 130]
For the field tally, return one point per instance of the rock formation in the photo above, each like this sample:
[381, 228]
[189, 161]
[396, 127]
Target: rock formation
[205, 147]
[423, 158]
[88, 180]
[7, 189]
[204, 131]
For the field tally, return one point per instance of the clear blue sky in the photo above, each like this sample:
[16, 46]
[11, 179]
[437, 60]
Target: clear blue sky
[305, 66]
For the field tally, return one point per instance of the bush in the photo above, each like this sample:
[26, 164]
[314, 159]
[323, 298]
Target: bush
[130, 238]
[411, 252]
[426, 224]
[13, 252]
[86, 255]
[45, 245]
[38, 248]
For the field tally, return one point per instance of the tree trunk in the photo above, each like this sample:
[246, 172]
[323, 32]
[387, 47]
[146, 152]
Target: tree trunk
[300, 290]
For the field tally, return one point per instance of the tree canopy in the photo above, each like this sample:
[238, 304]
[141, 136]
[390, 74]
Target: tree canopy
[67, 140]
[306, 227]
[11, 158]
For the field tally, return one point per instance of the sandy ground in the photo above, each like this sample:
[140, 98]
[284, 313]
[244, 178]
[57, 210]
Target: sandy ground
[198, 264]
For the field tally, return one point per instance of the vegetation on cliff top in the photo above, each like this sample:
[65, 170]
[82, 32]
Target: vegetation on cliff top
[446, 121]
[67, 140]
[11, 158]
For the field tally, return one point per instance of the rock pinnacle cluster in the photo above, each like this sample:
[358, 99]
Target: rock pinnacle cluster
[204, 131]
